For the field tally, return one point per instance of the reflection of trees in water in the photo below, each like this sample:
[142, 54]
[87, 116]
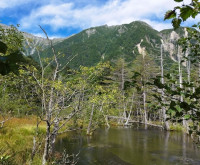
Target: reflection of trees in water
[136, 145]
[184, 143]
[166, 145]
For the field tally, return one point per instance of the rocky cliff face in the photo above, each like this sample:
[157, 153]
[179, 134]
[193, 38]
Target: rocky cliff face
[31, 42]
[170, 41]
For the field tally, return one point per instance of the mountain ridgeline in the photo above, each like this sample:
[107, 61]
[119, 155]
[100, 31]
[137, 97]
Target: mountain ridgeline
[108, 43]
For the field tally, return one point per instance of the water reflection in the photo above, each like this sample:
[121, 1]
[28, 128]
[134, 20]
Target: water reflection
[136, 146]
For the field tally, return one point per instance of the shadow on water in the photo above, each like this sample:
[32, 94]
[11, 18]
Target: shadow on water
[131, 146]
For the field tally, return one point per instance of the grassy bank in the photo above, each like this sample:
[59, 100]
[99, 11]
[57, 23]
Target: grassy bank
[16, 140]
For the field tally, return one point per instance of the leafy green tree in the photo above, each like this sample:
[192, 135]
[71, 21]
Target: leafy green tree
[12, 38]
[11, 45]
[146, 69]
[188, 107]
[11, 101]
[97, 95]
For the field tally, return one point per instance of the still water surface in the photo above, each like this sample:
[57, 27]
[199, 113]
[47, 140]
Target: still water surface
[132, 146]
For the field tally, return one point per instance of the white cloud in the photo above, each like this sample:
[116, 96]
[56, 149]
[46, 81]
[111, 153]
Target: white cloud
[158, 25]
[65, 15]
[43, 35]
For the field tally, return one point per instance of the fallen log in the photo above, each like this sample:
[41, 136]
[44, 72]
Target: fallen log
[116, 117]
[155, 125]
[134, 121]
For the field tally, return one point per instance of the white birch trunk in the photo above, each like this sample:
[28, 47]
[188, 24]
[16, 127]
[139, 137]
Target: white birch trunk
[90, 121]
[144, 93]
[144, 106]
[181, 81]
[131, 107]
[166, 123]
[180, 71]
[46, 145]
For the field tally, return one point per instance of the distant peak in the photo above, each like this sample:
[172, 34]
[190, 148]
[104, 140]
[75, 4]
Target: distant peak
[141, 22]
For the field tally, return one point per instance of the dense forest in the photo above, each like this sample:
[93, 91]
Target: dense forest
[43, 99]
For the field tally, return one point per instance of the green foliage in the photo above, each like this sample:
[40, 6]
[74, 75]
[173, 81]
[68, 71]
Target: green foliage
[183, 12]
[12, 38]
[3, 47]
[176, 22]
[177, 110]
[190, 44]
[5, 159]
[186, 108]
[178, 0]
[13, 88]
[176, 127]
[115, 89]
[105, 44]
[16, 140]
[11, 44]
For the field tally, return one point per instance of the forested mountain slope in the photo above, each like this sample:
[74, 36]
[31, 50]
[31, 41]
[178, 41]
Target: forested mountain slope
[108, 43]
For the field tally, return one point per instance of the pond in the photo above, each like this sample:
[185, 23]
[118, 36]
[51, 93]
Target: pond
[135, 145]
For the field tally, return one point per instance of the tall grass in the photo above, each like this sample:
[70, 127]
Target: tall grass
[16, 139]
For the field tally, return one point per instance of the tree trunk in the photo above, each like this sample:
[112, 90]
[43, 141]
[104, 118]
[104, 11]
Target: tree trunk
[131, 107]
[106, 119]
[46, 145]
[90, 122]
[53, 136]
[33, 150]
[199, 71]
[166, 123]
[188, 65]
[180, 72]
[144, 106]
[181, 83]
[122, 76]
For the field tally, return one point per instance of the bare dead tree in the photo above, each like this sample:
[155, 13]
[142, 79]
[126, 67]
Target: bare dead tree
[4, 119]
[56, 110]
[166, 123]
[67, 159]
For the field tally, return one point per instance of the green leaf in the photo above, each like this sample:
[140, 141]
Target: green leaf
[176, 22]
[178, 108]
[186, 12]
[178, 0]
[194, 14]
[187, 117]
[170, 14]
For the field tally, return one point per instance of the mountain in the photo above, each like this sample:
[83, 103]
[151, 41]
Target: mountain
[32, 42]
[105, 43]
[170, 39]
[112, 42]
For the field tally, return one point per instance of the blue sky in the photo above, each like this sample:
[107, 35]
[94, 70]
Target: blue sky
[62, 18]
